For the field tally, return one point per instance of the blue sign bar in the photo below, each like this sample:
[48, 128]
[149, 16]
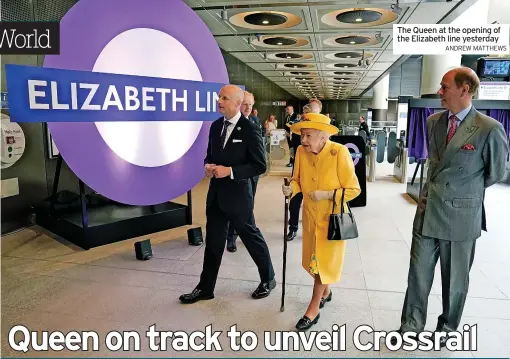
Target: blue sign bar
[40, 94]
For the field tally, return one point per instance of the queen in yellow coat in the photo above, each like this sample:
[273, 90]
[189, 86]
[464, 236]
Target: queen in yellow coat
[320, 167]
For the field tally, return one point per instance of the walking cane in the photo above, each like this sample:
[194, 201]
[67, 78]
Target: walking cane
[286, 182]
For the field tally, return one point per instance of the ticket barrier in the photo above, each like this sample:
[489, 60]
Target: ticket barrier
[401, 162]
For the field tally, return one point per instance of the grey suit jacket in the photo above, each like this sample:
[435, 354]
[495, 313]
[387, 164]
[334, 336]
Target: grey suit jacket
[450, 206]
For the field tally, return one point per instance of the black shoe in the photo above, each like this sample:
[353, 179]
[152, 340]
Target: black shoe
[231, 246]
[306, 323]
[195, 296]
[394, 340]
[289, 164]
[327, 299]
[291, 235]
[264, 289]
[442, 340]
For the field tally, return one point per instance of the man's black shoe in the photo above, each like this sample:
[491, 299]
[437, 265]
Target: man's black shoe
[264, 289]
[394, 340]
[195, 296]
[231, 246]
[442, 339]
[291, 235]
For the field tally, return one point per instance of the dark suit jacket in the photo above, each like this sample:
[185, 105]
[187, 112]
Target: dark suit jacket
[287, 120]
[244, 152]
[257, 122]
[451, 203]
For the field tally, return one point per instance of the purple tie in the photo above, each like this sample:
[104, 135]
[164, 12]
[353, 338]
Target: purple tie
[453, 128]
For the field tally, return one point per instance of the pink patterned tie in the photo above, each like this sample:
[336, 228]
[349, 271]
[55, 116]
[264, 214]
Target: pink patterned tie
[453, 128]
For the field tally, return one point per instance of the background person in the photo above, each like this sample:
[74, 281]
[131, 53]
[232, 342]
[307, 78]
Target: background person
[321, 166]
[270, 124]
[246, 110]
[289, 119]
[314, 106]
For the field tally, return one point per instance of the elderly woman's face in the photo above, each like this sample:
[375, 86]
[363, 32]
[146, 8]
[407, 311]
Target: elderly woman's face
[311, 140]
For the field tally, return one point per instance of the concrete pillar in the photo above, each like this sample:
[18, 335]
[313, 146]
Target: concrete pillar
[432, 70]
[435, 66]
[380, 101]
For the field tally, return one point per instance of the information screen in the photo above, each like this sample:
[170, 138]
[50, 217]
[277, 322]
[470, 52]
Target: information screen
[496, 68]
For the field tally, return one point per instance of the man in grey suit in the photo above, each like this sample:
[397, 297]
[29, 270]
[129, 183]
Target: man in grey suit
[467, 154]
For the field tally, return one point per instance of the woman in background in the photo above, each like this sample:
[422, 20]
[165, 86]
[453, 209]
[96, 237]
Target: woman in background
[270, 124]
[320, 167]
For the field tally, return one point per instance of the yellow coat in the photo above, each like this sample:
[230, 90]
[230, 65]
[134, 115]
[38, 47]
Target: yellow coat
[330, 169]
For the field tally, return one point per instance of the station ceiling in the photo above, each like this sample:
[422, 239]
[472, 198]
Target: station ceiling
[313, 48]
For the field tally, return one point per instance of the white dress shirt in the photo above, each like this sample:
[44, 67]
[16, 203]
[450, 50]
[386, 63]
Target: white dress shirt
[231, 129]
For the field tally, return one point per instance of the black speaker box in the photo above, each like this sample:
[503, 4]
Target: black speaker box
[143, 250]
[195, 236]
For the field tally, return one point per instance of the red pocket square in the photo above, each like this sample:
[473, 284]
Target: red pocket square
[468, 147]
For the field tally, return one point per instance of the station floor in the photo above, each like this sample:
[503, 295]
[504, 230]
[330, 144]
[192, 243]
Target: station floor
[53, 286]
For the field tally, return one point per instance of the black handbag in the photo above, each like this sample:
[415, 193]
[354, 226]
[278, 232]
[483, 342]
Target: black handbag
[343, 225]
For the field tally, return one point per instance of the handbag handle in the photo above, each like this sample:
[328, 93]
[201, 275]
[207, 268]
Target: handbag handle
[342, 204]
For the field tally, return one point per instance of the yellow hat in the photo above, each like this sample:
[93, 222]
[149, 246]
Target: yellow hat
[316, 121]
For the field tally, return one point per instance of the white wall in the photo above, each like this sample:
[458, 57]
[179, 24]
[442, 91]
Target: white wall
[499, 10]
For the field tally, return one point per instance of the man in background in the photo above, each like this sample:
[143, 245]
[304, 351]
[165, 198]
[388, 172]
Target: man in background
[290, 118]
[314, 106]
[246, 110]
[364, 126]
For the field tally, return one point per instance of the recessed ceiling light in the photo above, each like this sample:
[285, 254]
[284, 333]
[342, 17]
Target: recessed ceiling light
[279, 43]
[348, 56]
[288, 57]
[265, 22]
[346, 66]
[359, 19]
[352, 42]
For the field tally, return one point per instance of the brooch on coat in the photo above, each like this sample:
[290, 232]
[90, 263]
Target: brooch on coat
[333, 152]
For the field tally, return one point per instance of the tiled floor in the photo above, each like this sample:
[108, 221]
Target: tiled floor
[49, 285]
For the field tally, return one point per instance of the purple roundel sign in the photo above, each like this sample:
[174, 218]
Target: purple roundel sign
[137, 162]
[356, 155]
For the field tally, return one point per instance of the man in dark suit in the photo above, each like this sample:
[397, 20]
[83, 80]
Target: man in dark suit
[467, 154]
[235, 154]
[246, 110]
[289, 119]
[364, 126]
[314, 106]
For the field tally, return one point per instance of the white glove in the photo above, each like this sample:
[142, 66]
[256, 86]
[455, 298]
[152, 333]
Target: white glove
[321, 195]
[287, 190]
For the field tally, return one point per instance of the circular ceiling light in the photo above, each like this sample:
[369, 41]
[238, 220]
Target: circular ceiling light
[359, 16]
[344, 65]
[299, 73]
[288, 55]
[352, 40]
[343, 73]
[348, 55]
[295, 66]
[265, 20]
[280, 42]
[304, 78]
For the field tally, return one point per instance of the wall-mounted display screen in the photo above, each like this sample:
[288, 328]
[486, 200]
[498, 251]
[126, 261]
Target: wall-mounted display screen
[496, 68]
